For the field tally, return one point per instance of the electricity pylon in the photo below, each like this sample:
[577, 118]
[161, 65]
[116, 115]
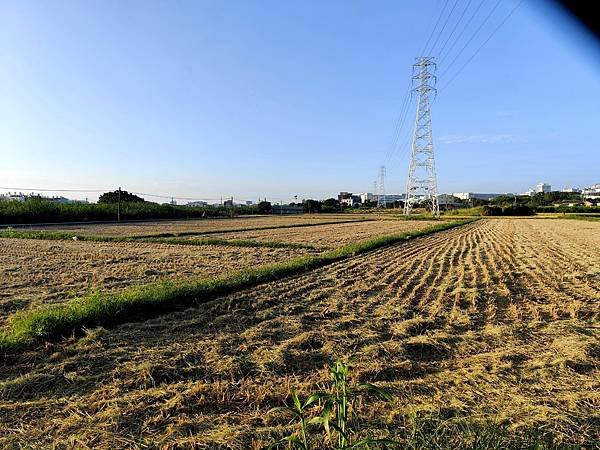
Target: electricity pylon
[374, 190]
[422, 183]
[381, 188]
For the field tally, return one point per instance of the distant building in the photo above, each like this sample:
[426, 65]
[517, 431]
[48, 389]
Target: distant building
[571, 190]
[542, 187]
[450, 201]
[366, 197]
[391, 198]
[352, 200]
[18, 197]
[474, 195]
[349, 199]
[539, 188]
[196, 204]
[591, 192]
[228, 203]
[345, 198]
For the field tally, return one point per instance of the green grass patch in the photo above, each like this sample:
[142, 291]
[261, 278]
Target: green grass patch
[141, 302]
[418, 432]
[464, 212]
[590, 218]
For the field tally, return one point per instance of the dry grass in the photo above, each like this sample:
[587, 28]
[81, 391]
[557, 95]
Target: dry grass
[196, 225]
[36, 272]
[334, 235]
[498, 319]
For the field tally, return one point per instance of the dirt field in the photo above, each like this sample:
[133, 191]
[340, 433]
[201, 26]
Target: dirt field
[497, 319]
[198, 226]
[35, 272]
[331, 235]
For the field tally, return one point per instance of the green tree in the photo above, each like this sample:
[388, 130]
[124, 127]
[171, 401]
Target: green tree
[330, 205]
[312, 206]
[126, 197]
[264, 207]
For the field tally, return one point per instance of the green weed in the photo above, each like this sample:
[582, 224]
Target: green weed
[336, 421]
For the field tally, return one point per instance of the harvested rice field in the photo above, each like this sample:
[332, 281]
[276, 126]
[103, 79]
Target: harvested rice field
[190, 226]
[334, 235]
[36, 272]
[497, 320]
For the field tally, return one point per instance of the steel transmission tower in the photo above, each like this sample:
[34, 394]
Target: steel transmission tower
[381, 188]
[374, 190]
[422, 183]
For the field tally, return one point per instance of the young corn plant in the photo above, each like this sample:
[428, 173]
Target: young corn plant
[335, 421]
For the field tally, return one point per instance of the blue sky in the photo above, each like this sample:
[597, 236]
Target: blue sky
[268, 98]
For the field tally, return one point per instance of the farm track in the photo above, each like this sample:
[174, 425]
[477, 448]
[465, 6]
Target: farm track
[498, 318]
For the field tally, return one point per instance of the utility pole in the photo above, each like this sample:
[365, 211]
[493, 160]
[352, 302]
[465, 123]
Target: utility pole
[381, 186]
[422, 182]
[119, 205]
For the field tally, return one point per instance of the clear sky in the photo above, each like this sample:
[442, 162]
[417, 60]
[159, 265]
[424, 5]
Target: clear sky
[277, 98]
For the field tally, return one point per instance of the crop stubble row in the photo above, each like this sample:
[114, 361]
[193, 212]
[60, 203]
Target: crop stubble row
[37, 272]
[194, 225]
[468, 321]
[330, 235]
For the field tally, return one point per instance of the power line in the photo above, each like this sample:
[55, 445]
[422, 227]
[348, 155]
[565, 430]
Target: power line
[402, 118]
[435, 27]
[443, 58]
[406, 102]
[454, 29]
[483, 44]
[87, 191]
[444, 27]
[50, 190]
[472, 36]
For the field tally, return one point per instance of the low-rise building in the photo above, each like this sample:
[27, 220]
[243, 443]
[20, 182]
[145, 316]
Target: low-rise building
[450, 201]
[475, 195]
[13, 196]
[391, 198]
[349, 199]
[366, 197]
[345, 198]
[20, 197]
[591, 192]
